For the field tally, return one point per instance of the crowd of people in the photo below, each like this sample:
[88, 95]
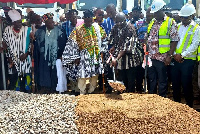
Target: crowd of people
[100, 44]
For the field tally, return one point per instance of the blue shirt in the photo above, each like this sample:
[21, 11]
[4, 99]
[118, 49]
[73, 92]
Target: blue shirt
[141, 28]
[108, 25]
[67, 27]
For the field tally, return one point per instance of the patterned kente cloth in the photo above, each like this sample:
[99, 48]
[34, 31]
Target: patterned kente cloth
[18, 44]
[86, 44]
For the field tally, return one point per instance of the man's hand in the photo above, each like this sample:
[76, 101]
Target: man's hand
[114, 62]
[23, 56]
[4, 47]
[32, 36]
[167, 60]
[10, 62]
[11, 65]
[77, 61]
[112, 50]
[1, 49]
[178, 58]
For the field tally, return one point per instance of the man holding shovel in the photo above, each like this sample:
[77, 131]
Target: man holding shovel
[123, 40]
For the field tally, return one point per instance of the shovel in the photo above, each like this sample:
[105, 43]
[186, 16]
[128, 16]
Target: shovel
[116, 85]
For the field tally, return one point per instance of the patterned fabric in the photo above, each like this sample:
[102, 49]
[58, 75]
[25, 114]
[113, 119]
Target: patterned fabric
[154, 43]
[86, 39]
[18, 44]
[7, 9]
[125, 40]
[47, 16]
[45, 73]
[51, 46]
[83, 44]
[141, 29]
[28, 82]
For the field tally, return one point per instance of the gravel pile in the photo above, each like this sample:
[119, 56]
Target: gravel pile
[34, 113]
[135, 113]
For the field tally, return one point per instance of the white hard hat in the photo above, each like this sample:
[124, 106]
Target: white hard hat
[157, 5]
[187, 10]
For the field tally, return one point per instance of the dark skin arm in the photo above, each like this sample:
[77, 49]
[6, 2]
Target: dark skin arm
[4, 47]
[77, 61]
[23, 56]
[178, 58]
[114, 62]
[173, 45]
[10, 62]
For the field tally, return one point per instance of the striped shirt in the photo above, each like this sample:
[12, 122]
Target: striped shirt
[108, 25]
[125, 39]
[18, 44]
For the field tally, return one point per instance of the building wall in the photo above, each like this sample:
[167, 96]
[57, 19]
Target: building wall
[198, 7]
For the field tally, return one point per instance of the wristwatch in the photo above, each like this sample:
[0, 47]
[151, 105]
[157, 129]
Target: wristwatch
[170, 55]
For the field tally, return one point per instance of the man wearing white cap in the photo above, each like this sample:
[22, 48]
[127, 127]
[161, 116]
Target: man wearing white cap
[185, 55]
[162, 41]
[17, 40]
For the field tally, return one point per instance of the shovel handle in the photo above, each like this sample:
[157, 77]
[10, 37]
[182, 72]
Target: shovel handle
[114, 77]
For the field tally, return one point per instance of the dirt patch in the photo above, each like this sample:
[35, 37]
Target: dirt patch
[134, 113]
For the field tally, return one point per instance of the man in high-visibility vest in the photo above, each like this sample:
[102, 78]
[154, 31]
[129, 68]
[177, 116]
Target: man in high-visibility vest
[185, 55]
[162, 41]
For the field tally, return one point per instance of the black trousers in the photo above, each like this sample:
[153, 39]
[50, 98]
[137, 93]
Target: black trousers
[108, 76]
[158, 71]
[128, 77]
[1, 73]
[182, 75]
[139, 77]
[13, 79]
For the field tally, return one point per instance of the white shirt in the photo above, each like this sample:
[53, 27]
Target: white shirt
[195, 40]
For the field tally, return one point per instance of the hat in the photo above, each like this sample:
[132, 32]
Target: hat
[187, 10]
[125, 12]
[47, 16]
[14, 15]
[88, 14]
[6, 9]
[157, 5]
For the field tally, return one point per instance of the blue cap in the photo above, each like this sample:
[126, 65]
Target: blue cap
[125, 12]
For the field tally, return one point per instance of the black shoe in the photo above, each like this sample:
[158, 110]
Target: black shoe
[72, 92]
[118, 92]
[108, 91]
[77, 93]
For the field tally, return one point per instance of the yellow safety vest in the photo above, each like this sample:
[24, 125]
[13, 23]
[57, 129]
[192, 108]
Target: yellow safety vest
[198, 56]
[164, 38]
[187, 42]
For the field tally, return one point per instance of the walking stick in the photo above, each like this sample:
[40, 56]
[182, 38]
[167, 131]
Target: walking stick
[2, 60]
[146, 67]
[104, 90]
